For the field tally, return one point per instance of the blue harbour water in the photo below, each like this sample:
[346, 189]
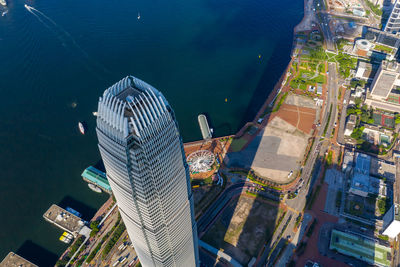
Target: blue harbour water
[56, 60]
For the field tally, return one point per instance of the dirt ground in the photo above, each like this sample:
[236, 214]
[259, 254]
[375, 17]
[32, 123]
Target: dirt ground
[301, 117]
[243, 227]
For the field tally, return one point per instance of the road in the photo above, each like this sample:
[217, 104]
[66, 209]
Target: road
[324, 18]
[332, 98]
[342, 124]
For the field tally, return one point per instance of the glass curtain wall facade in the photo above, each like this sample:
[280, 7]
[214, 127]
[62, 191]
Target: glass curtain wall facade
[142, 151]
[393, 23]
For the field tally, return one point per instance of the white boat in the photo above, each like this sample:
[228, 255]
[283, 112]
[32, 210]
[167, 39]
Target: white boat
[94, 188]
[65, 239]
[3, 2]
[4, 13]
[94, 113]
[81, 128]
[138, 16]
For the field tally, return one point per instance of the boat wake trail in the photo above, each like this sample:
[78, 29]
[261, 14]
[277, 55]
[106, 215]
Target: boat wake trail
[66, 40]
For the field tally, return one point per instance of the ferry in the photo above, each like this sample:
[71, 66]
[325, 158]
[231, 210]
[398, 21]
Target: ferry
[95, 188]
[81, 128]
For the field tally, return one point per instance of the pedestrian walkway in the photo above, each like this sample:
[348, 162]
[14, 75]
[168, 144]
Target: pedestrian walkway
[219, 253]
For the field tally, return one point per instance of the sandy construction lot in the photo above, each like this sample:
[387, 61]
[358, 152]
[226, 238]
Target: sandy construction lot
[243, 227]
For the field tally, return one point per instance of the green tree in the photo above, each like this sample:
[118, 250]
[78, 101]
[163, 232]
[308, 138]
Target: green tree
[357, 133]
[94, 225]
[382, 205]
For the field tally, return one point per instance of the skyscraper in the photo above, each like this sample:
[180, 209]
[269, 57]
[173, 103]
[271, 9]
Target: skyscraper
[393, 23]
[143, 155]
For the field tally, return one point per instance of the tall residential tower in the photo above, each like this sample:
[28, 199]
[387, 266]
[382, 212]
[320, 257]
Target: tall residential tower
[143, 154]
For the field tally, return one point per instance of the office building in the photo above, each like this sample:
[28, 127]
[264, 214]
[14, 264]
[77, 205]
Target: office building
[385, 79]
[142, 151]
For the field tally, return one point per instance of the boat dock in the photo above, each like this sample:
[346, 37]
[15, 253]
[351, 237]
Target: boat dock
[13, 259]
[205, 129]
[96, 177]
[64, 219]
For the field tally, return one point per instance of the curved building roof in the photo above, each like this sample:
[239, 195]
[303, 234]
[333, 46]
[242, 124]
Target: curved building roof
[131, 105]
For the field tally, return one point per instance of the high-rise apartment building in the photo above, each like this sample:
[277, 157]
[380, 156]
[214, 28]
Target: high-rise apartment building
[142, 151]
[393, 23]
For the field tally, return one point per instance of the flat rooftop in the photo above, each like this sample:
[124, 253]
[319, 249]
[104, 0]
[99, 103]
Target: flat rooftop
[360, 247]
[363, 163]
[384, 83]
[360, 182]
[13, 259]
[64, 219]
[383, 169]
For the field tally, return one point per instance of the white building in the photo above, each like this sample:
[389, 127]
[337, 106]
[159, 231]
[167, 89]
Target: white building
[142, 151]
[350, 124]
[391, 220]
[386, 77]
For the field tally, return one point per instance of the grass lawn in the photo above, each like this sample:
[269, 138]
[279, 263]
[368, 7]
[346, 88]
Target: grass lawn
[305, 78]
[238, 144]
[383, 48]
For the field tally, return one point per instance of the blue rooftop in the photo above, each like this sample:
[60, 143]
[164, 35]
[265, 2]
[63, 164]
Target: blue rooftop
[360, 182]
[97, 177]
[363, 163]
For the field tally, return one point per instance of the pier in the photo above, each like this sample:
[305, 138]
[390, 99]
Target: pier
[64, 220]
[205, 129]
[96, 177]
[13, 259]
